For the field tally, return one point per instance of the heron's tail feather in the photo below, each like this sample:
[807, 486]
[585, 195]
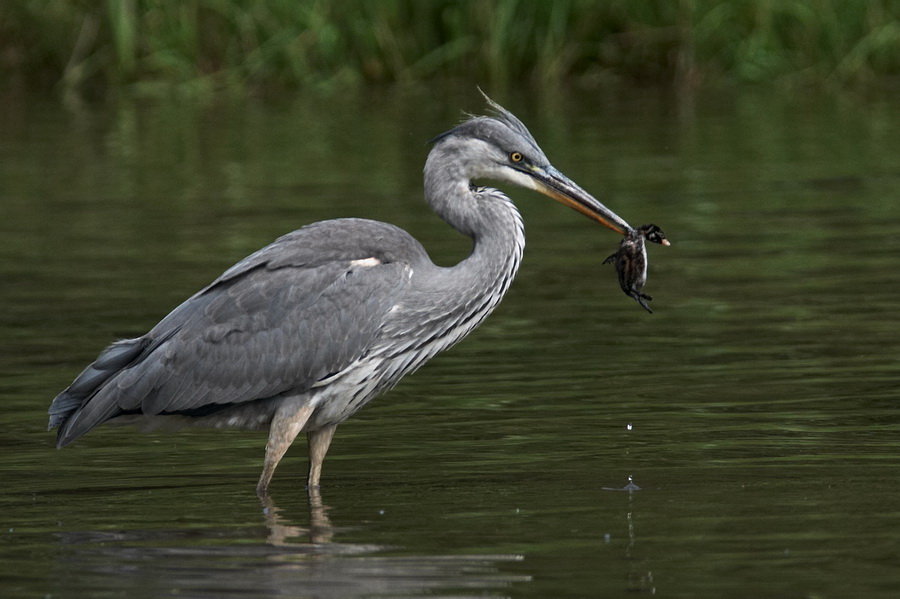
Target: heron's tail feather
[74, 400]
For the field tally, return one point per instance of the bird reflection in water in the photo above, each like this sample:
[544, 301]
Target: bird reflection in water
[292, 557]
[282, 532]
[323, 564]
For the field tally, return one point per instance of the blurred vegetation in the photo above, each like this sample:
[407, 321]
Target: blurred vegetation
[91, 46]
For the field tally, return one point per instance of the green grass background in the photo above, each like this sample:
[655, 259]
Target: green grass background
[93, 46]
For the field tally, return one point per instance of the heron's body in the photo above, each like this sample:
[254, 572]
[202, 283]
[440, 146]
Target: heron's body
[301, 334]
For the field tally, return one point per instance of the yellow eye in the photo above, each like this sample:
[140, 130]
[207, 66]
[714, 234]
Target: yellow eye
[516, 157]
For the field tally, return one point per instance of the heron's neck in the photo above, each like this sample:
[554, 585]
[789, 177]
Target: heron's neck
[484, 214]
[499, 240]
[498, 236]
[447, 303]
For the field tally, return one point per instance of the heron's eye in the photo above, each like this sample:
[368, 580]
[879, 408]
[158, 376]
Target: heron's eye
[516, 157]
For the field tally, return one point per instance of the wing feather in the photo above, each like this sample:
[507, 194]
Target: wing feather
[239, 349]
[280, 320]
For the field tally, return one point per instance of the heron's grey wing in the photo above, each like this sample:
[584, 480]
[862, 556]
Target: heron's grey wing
[279, 330]
[278, 321]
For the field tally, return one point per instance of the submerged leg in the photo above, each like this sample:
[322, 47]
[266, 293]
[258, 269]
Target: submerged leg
[285, 427]
[319, 440]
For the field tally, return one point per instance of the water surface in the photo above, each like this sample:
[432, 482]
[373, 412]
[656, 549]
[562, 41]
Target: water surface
[761, 394]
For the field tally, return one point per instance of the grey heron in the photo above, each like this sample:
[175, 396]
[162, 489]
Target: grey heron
[301, 334]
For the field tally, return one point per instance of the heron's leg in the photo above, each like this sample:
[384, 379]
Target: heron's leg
[285, 427]
[319, 440]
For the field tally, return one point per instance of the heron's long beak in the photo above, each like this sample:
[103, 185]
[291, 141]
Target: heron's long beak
[556, 185]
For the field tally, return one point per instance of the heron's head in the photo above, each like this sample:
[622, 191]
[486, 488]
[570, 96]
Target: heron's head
[499, 147]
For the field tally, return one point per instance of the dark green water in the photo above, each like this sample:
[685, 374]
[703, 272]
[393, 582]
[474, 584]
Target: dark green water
[762, 394]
